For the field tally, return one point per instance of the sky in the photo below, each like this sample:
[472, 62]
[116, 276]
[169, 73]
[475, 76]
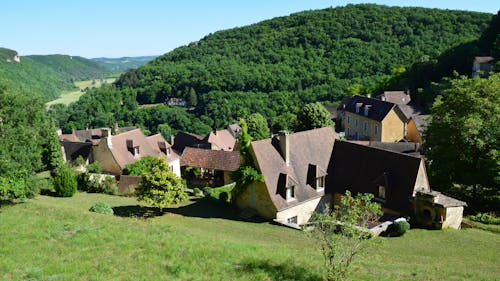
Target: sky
[118, 28]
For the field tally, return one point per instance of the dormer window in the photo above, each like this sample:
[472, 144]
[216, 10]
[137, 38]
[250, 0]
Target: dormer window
[290, 193]
[381, 193]
[358, 107]
[367, 110]
[320, 183]
[136, 151]
[168, 151]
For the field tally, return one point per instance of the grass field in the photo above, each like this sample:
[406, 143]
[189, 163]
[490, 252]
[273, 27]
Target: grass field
[72, 96]
[59, 239]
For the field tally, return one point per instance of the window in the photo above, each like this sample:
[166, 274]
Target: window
[348, 119]
[375, 129]
[348, 131]
[171, 167]
[168, 151]
[366, 126]
[381, 192]
[292, 220]
[356, 122]
[136, 151]
[320, 183]
[290, 193]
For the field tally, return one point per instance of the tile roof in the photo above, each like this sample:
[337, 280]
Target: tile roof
[222, 139]
[400, 147]
[421, 121]
[121, 151]
[397, 97]
[306, 148]
[483, 59]
[211, 159]
[161, 146]
[183, 140]
[360, 168]
[378, 108]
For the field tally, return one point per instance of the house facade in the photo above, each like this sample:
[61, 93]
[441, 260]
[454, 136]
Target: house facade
[115, 152]
[372, 119]
[294, 167]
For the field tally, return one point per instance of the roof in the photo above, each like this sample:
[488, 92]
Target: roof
[421, 121]
[397, 97]
[483, 59]
[235, 130]
[410, 110]
[360, 168]
[183, 139]
[211, 159]
[222, 139]
[121, 152]
[378, 108]
[442, 199]
[332, 110]
[306, 148]
[73, 149]
[161, 146]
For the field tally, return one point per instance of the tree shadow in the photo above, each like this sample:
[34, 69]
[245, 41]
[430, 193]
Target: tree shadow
[284, 271]
[137, 211]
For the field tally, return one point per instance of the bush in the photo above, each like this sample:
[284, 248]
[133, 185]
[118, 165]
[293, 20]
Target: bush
[485, 218]
[197, 192]
[207, 191]
[224, 197]
[109, 186]
[36, 184]
[102, 208]
[83, 180]
[65, 183]
[398, 228]
[95, 167]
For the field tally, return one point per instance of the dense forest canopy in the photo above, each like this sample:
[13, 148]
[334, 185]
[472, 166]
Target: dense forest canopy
[277, 66]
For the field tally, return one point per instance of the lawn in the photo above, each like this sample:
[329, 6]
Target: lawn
[59, 239]
[72, 96]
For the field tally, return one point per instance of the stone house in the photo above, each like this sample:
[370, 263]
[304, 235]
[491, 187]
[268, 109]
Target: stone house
[294, 167]
[481, 66]
[215, 140]
[372, 119]
[115, 152]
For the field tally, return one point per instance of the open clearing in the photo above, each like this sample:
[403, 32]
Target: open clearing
[72, 96]
[59, 239]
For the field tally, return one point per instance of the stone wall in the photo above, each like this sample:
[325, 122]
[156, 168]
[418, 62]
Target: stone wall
[454, 217]
[304, 211]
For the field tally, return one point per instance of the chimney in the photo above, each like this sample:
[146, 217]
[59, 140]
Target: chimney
[172, 139]
[106, 134]
[284, 146]
[58, 130]
[382, 98]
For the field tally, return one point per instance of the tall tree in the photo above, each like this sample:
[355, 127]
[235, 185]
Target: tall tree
[312, 116]
[463, 138]
[257, 126]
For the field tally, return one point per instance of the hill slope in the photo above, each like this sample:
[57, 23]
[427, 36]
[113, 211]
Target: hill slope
[326, 50]
[48, 75]
[123, 64]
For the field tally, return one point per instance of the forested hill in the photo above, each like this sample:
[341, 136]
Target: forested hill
[47, 75]
[123, 64]
[322, 52]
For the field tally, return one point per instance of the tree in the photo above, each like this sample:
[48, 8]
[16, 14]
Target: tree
[312, 116]
[257, 126]
[161, 187]
[192, 98]
[65, 182]
[342, 233]
[463, 138]
[144, 165]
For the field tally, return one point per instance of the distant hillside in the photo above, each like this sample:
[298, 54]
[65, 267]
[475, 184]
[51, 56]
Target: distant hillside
[325, 51]
[48, 75]
[123, 64]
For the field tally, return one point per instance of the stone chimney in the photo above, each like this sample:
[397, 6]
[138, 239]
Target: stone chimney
[172, 139]
[106, 134]
[284, 146]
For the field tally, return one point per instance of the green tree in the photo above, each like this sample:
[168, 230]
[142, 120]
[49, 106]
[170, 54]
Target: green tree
[312, 116]
[166, 131]
[463, 138]
[161, 187]
[144, 165]
[192, 98]
[65, 181]
[342, 233]
[257, 126]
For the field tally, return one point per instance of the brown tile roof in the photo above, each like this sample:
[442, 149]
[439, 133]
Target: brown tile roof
[222, 139]
[211, 159]
[183, 140]
[397, 97]
[360, 168]
[306, 148]
[121, 152]
[421, 122]
[378, 109]
[161, 146]
[69, 137]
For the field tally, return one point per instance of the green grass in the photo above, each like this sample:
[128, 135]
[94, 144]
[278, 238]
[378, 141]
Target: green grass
[59, 239]
[72, 96]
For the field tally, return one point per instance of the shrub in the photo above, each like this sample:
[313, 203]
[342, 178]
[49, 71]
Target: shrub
[95, 167]
[108, 186]
[102, 208]
[485, 218]
[398, 228]
[224, 196]
[65, 183]
[83, 180]
[34, 185]
[197, 192]
[207, 191]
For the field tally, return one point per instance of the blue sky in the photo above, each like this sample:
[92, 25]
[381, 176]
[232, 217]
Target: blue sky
[115, 28]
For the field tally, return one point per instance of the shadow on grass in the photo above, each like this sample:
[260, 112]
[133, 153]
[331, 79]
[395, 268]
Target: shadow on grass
[137, 211]
[266, 270]
[198, 208]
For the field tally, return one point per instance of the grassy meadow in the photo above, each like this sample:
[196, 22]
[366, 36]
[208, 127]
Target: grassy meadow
[72, 96]
[59, 239]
